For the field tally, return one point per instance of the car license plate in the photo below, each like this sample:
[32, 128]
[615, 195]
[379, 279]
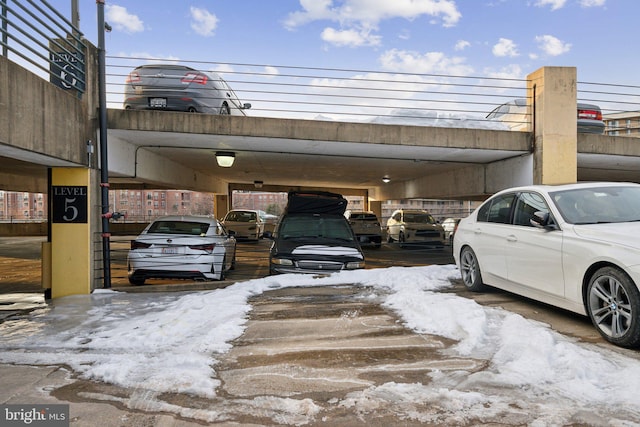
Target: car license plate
[170, 250]
[158, 102]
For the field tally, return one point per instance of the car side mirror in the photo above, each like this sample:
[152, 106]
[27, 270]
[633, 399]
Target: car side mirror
[543, 220]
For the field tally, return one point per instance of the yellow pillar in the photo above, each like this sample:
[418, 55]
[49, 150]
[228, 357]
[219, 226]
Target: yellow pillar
[551, 93]
[71, 220]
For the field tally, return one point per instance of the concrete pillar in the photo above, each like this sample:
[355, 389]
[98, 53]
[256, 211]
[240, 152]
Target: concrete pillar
[375, 206]
[221, 205]
[551, 93]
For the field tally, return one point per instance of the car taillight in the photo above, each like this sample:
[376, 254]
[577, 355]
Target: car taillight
[139, 245]
[590, 114]
[133, 77]
[207, 247]
[196, 78]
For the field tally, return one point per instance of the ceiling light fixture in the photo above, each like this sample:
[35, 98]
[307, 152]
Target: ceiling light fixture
[225, 159]
[257, 184]
[386, 179]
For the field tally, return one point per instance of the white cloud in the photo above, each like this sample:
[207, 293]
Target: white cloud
[592, 3]
[430, 62]
[222, 69]
[462, 44]
[552, 46]
[120, 19]
[353, 15]
[203, 22]
[555, 4]
[505, 47]
[271, 71]
[512, 71]
[350, 38]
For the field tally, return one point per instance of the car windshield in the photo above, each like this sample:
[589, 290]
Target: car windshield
[241, 216]
[179, 227]
[598, 205]
[419, 218]
[363, 217]
[295, 227]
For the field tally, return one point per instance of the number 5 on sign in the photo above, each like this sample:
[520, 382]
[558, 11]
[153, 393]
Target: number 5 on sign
[69, 204]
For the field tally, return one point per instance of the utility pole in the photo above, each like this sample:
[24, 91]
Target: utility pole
[75, 16]
[104, 169]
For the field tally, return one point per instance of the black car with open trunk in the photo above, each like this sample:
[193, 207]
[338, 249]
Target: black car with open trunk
[313, 236]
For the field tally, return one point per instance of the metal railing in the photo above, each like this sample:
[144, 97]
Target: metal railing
[288, 91]
[36, 36]
[349, 95]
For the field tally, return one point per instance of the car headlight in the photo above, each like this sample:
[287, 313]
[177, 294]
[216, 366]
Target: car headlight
[281, 261]
[355, 265]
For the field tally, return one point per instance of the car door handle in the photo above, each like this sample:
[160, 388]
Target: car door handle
[512, 238]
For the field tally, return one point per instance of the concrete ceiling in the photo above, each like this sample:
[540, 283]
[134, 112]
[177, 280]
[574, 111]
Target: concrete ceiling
[286, 162]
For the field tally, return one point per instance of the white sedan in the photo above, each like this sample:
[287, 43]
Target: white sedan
[573, 246]
[184, 247]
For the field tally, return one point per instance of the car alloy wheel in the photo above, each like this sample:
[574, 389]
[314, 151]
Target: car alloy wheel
[470, 270]
[613, 304]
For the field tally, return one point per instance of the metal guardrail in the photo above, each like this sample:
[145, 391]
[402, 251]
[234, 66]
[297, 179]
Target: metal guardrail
[35, 35]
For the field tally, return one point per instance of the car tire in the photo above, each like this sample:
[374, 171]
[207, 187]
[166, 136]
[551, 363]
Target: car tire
[192, 110]
[613, 304]
[470, 270]
[222, 267]
[136, 281]
[225, 110]
[401, 239]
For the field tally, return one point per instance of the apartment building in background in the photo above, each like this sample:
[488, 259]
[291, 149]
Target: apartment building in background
[146, 205]
[622, 124]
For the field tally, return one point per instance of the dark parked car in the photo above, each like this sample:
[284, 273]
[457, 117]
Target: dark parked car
[313, 236]
[179, 88]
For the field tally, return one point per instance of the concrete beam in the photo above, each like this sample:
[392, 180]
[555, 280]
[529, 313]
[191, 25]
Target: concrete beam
[474, 182]
[136, 163]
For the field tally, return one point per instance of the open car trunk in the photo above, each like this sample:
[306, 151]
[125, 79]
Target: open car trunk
[318, 202]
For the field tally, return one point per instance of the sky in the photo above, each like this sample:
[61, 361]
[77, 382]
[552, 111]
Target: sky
[479, 37]
[173, 342]
[376, 40]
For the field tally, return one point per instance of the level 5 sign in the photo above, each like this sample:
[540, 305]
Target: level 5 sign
[69, 204]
